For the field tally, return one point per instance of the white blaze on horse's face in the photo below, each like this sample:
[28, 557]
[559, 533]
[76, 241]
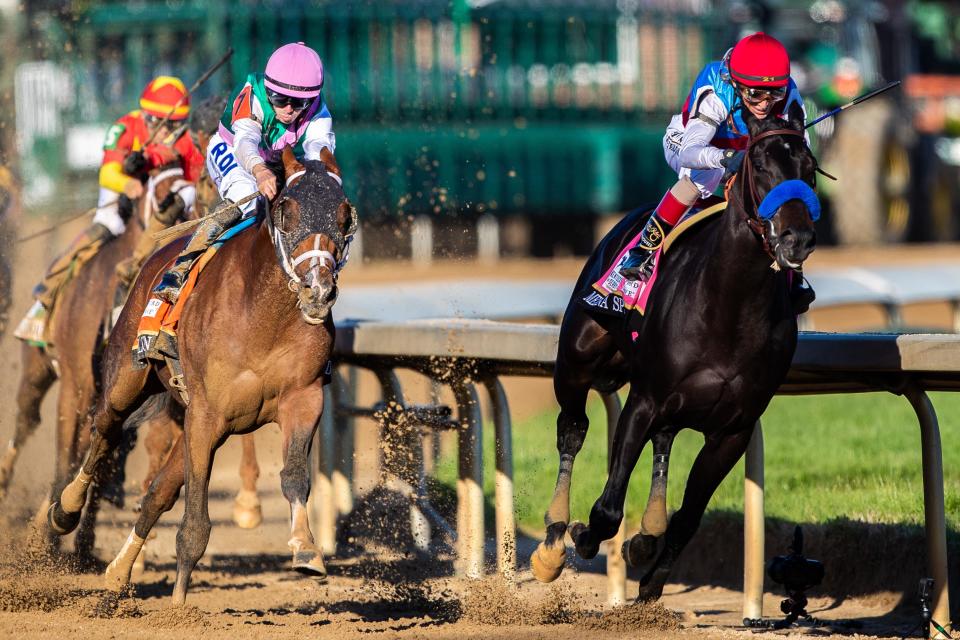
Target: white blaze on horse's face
[318, 290]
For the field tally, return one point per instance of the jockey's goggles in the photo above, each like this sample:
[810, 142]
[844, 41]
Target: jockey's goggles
[756, 95]
[279, 101]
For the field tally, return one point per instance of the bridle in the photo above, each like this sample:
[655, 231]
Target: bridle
[318, 257]
[762, 228]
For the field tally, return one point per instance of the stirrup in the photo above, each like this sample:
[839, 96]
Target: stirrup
[642, 270]
[169, 287]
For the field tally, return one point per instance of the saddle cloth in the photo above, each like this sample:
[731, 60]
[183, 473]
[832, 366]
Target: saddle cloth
[159, 315]
[615, 295]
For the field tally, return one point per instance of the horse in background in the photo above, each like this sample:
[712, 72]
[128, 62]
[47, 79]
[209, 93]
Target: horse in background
[713, 346]
[255, 339]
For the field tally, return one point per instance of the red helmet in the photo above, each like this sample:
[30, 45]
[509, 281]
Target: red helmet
[162, 94]
[760, 61]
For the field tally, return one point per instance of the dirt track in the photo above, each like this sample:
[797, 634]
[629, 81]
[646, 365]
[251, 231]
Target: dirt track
[242, 590]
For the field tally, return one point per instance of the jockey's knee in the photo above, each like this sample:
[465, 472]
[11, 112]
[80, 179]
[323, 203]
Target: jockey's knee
[685, 191]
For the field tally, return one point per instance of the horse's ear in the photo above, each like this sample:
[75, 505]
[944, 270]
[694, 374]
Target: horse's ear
[326, 156]
[795, 116]
[290, 163]
[347, 219]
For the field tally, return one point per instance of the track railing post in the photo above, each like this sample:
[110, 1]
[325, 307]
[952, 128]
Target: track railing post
[933, 509]
[753, 530]
[469, 481]
[503, 485]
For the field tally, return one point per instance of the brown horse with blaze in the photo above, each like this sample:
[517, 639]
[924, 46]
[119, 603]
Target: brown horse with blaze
[255, 341]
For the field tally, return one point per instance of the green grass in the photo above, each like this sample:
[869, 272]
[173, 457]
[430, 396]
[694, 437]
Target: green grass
[853, 456]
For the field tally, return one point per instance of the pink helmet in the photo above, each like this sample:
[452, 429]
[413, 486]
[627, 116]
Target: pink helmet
[294, 70]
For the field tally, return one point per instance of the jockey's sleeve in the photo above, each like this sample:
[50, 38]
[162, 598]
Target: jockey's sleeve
[696, 150]
[112, 176]
[319, 134]
[190, 158]
[247, 135]
[121, 140]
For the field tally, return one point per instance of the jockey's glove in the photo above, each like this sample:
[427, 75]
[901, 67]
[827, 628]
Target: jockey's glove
[731, 161]
[134, 163]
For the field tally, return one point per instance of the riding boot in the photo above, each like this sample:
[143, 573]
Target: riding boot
[83, 247]
[802, 294]
[128, 268]
[207, 232]
[638, 264]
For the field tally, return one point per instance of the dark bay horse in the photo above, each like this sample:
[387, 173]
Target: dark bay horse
[714, 345]
[255, 339]
[76, 333]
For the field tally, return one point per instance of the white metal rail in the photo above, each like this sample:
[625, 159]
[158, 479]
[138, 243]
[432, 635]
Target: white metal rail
[464, 353]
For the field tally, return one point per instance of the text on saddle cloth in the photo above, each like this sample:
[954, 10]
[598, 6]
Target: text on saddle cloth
[159, 315]
[615, 295]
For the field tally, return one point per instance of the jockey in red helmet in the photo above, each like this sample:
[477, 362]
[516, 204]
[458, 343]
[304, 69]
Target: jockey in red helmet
[708, 137]
[270, 110]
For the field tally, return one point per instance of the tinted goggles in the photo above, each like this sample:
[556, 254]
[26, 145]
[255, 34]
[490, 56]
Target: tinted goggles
[280, 101]
[756, 95]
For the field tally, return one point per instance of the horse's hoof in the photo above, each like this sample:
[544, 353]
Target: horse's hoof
[310, 563]
[115, 578]
[60, 521]
[546, 563]
[639, 550]
[586, 548]
[246, 510]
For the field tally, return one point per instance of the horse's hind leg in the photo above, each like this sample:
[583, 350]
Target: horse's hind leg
[37, 378]
[642, 547]
[158, 499]
[121, 395]
[246, 506]
[299, 414]
[584, 348]
[633, 431]
[713, 463]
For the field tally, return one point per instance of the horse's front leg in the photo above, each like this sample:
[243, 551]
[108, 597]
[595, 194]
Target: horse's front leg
[642, 547]
[298, 414]
[35, 381]
[203, 431]
[713, 463]
[585, 349]
[633, 431]
[246, 506]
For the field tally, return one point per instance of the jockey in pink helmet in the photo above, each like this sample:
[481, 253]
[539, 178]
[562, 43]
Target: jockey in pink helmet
[707, 138]
[281, 106]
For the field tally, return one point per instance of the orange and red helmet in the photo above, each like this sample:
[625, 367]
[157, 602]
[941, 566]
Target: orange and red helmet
[760, 60]
[163, 94]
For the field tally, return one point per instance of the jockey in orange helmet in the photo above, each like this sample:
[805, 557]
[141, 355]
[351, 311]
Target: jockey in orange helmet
[122, 173]
[707, 139]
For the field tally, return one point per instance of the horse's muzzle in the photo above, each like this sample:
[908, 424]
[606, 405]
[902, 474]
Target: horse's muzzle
[795, 246]
[316, 301]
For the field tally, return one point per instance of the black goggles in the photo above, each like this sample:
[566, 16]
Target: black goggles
[279, 101]
[756, 95]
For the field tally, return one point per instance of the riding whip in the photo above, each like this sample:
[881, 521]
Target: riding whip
[179, 229]
[196, 85]
[862, 98]
[37, 234]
